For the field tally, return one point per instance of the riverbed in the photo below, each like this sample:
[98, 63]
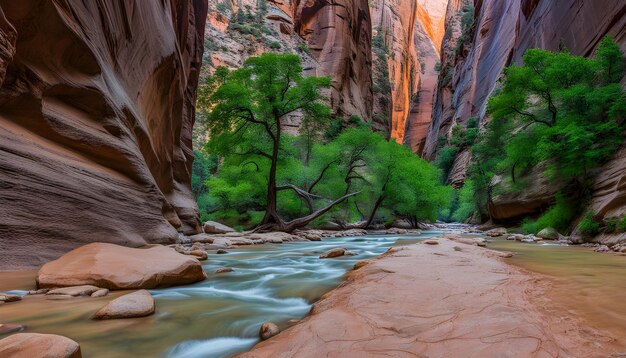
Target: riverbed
[221, 316]
[218, 317]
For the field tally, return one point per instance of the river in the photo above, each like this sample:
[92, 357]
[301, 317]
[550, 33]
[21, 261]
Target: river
[221, 316]
[214, 318]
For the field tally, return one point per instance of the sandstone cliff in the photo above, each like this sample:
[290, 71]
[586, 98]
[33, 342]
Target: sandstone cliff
[96, 111]
[333, 39]
[412, 31]
[501, 32]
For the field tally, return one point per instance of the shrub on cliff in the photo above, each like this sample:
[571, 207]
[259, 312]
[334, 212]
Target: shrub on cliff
[562, 110]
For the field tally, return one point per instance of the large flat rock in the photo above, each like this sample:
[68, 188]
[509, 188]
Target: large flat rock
[446, 300]
[118, 267]
[34, 345]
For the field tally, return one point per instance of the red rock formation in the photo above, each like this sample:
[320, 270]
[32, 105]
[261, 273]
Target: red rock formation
[339, 34]
[333, 39]
[502, 32]
[96, 110]
[396, 19]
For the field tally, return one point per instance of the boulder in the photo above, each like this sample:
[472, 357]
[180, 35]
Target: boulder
[516, 237]
[499, 231]
[224, 270]
[85, 290]
[268, 330]
[35, 345]
[199, 254]
[118, 267]
[213, 227]
[202, 238]
[5, 297]
[136, 304]
[100, 293]
[336, 252]
[548, 234]
[431, 242]
[354, 232]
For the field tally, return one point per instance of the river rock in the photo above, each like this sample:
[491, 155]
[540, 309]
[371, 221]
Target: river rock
[431, 242]
[528, 241]
[224, 270]
[199, 254]
[136, 304]
[516, 237]
[202, 238]
[213, 227]
[5, 297]
[336, 252]
[100, 293]
[10, 328]
[602, 248]
[354, 232]
[360, 264]
[221, 252]
[499, 231]
[548, 234]
[35, 345]
[268, 330]
[85, 290]
[396, 231]
[118, 267]
[40, 291]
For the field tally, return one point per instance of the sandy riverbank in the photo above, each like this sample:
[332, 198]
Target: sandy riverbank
[446, 300]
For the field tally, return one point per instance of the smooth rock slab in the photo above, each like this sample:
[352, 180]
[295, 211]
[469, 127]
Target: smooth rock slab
[136, 304]
[100, 293]
[213, 227]
[35, 345]
[85, 290]
[118, 267]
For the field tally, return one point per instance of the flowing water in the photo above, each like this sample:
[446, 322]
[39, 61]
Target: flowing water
[214, 318]
[221, 316]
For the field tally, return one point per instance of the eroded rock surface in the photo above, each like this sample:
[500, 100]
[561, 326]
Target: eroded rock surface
[96, 110]
[118, 267]
[470, 303]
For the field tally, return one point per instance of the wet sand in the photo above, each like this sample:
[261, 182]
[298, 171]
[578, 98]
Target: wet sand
[446, 300]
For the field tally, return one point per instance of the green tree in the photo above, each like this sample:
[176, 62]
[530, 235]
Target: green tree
[247, 113]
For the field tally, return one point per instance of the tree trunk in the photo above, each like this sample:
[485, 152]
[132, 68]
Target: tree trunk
[377, 205]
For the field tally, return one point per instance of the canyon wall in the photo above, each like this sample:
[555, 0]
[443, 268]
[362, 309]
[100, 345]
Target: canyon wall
[96, 111]
[412, 31]
[501, 32]
[333, 38]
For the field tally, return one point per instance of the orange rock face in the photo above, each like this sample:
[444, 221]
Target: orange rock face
[96, 110]
[503, 30]
[413, 30]
[332, 38]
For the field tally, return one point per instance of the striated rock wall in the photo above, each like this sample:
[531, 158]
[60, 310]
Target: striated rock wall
[332, 37]
[96, 112]
[502, 31]
[413, 31]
